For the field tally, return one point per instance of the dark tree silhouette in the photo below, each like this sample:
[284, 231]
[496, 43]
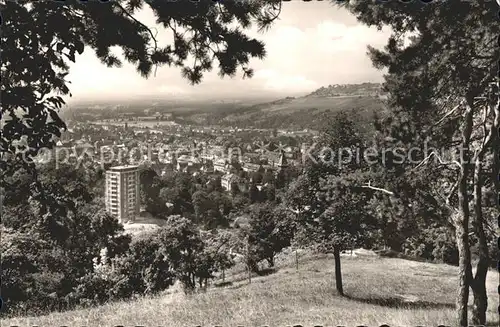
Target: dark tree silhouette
[445, 98]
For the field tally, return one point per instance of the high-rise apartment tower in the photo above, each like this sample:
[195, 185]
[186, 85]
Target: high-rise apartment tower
[123, 192]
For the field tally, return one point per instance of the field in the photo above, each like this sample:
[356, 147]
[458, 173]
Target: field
[379, 290]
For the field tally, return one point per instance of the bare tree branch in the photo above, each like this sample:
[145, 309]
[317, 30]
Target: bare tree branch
[440, 161]
[451, 192]
[448, 114]
[377, 188]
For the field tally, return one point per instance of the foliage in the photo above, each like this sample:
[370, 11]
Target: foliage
[28, 277]
[328, 197]
[450, 99]
[177, 190]
[150, 191]
[270, 230]
[56, 250]
[435, 243]
[192, 260]
[253, 193]
[211, 208]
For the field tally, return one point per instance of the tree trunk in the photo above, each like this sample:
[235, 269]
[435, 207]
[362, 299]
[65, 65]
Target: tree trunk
[495, 141]
[463, 274]
[478, 284]
[270, 261]
[462, 225]
[338, 271]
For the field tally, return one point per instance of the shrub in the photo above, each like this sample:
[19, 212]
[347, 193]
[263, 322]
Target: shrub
[434, 243]
[193, 260]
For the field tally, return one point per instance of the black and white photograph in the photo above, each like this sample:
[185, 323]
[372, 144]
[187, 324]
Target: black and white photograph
[250, 163]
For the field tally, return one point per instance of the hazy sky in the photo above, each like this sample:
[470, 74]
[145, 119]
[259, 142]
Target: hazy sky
[313, 44]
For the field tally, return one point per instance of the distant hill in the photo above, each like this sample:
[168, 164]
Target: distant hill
[337, 90]
[309, 111]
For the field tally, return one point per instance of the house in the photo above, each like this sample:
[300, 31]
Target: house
[252, 168]
[188, 167]
[221, 165]
[227, 180]
[251, 158]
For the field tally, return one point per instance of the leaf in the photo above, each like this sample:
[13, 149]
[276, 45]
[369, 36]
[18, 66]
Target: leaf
[70, 55]
[79, 46]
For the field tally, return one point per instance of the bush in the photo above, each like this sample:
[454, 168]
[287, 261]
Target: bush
[38, 276]
[434, 243]
[193, 260]
[270, 230]
[32, 279]
[145, 269]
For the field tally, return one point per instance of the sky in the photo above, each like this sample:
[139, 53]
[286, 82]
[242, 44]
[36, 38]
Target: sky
[313, 44]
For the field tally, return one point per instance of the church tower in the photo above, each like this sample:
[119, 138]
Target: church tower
[282, 163]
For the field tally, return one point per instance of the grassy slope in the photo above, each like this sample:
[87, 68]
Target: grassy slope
[380, 290]
[295, 113]
[311, 104]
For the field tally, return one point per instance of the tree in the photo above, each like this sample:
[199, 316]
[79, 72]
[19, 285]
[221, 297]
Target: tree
[281, 179]
[268, 178]
[220, 207]
[72, 236]
[235, 189]
[332, 214]
[150, 191]
[24, 259]
[240, 202]
[201, 204]
[181, 244]
[193, 258]
[327, 197]
[177, 190]
[216, 255]
[215, 185]
[253, 193]
[445, 99]
[210, 208]
[144, 269]
[269, 193]
[256, 177]
[270, 230]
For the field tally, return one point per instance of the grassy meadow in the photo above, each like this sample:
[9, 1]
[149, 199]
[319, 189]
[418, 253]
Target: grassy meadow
[378, 291]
